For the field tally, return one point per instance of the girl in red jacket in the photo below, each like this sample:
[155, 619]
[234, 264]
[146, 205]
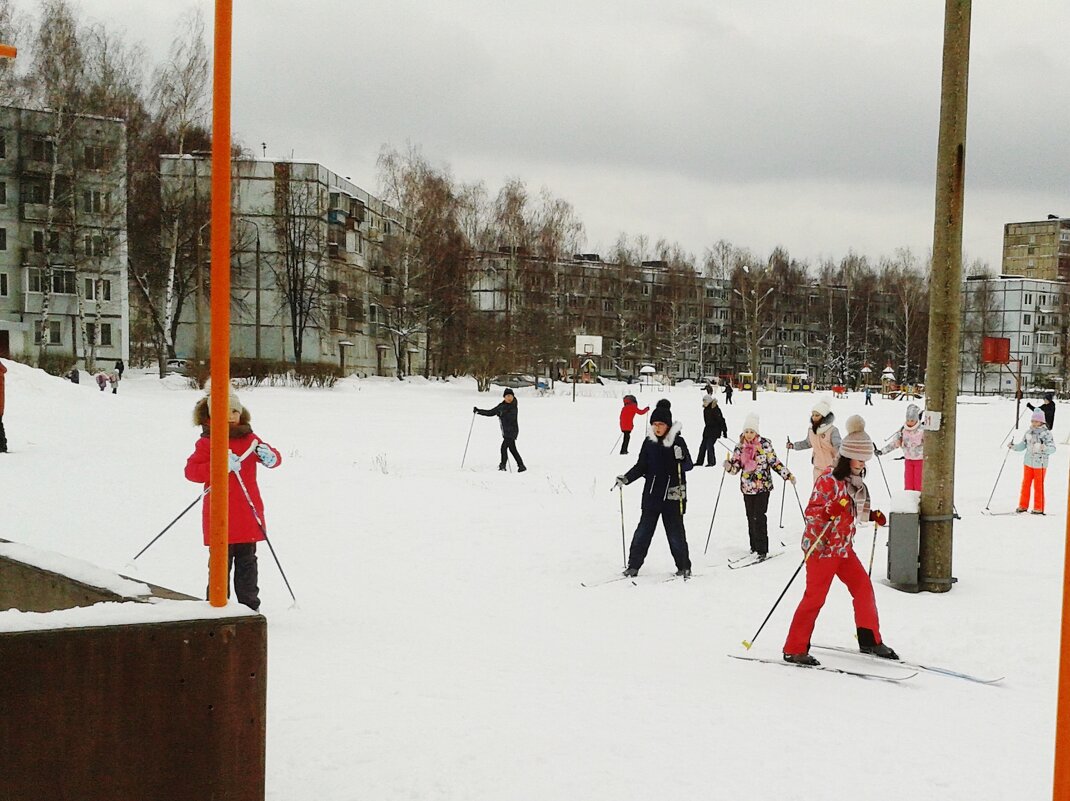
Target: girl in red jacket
[627, 419]
[840, 501]
[245, 532]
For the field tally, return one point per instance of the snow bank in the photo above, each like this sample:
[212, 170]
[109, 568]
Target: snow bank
[109, 613]
[76, 569]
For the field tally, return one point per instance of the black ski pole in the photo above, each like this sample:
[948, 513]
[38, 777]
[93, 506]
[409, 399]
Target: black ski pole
[880, 464]
[263, 531]
[798, 500]
[468, 440]
[1004, 464]
[749, 643]
[873, 549]
[168, 526]
[621, 434]
[717, 502]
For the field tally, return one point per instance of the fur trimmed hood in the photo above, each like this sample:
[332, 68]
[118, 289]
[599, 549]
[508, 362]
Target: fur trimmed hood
[200, 413]
[670, 435]
[825, 424]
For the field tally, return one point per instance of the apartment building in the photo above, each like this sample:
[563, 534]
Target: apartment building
[1032, 314]
[684, 324]
[63, 248]
[1039, 249]
[314, 266]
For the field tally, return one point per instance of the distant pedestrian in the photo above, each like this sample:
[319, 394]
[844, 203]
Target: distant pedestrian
[823, 437]
[506, 412]
[244, 531]
[714, 428]
[627, 420]
[869, 396]
[1048, 407]
[1038, 445]
[663, 461]
[120, 368]
[728, 392]
[102, 380]
[73, 375]
[3, 434]
[113, 379]
[755, 458]
[911, 438]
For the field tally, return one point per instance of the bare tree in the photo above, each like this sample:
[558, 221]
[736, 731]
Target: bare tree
[300, 217]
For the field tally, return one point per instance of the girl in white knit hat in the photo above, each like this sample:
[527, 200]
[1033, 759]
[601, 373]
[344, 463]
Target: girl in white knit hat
[839, 503]
[823, 437]
[755, 457]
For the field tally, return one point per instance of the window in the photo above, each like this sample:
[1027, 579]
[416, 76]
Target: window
[1042, 300]
[1028, 299]
[97, 246]
[96, 157]
[55, 333]
[1044, 339]
[35, 193]
[91, 289]
[63, 282]
[3, 146]
[1045, 360]
[3, 193]
[1026, 340]
[53, 241]
[1027, 319]
[3, 239]
[646, 289]
[41, 149]
[3, 285]
[95, 201]
[105, 334]
[35, 280]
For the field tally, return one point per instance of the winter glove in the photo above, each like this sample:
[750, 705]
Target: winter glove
[678, 452]
[233, 462]
[876, 450]
[840, 508]
[475, 409]
[792, 480]
[791, 445]
[877, 516]
[266, 456]
[727, 464]
[621, 481]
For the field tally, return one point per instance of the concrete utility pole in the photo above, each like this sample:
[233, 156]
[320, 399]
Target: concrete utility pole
[945, 324]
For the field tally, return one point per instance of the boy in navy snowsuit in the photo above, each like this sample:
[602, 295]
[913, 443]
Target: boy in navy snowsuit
[663, 461]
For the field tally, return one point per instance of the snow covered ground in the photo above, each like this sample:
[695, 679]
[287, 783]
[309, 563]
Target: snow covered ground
[443, 648]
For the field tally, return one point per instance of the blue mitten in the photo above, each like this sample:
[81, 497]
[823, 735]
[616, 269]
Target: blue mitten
[233, 462]
[266, 456]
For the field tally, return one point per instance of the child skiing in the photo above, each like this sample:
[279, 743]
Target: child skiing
[715, 428]
[245, 530]
[506, 412]
[627, 420]
[823, 437]
[911, 438]
[755, 457]
[1048, 407]
[1038, 445]
[663, 461]
[839, 503]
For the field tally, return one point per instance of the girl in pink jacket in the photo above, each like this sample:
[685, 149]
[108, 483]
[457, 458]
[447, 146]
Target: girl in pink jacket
[911, 438]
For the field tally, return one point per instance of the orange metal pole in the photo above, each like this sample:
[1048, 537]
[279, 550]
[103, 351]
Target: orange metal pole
[220, 308]
[1061, 789]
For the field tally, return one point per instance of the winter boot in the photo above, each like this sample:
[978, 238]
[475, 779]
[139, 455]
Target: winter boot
[1020, 510]
[683, 571]
[1036, 512]
[801, 659]
[521, 468]
[502, 467]
[631, 572]
[867, 644]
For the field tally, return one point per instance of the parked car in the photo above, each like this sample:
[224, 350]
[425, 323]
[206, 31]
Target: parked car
[177, 367]
[513, 380]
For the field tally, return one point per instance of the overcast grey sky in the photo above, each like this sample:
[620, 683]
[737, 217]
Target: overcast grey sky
[810, 125]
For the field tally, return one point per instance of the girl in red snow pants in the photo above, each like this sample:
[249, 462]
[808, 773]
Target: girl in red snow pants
[819, 575]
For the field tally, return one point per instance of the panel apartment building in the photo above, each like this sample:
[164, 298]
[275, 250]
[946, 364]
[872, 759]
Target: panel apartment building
[1039, 249]
[297, 222]
[684, 324]
[63, 250]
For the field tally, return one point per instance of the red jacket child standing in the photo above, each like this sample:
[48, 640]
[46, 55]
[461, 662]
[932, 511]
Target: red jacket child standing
[627, 419]
[244, 530]
[839, 502]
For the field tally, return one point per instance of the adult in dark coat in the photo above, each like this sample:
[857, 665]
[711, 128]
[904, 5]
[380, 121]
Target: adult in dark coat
[728, 392]
[715, 428]
[663, 462]
[120, 368]
[1048, 407]
[506, 412]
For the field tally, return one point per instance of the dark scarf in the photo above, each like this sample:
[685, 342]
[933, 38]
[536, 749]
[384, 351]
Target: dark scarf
[239, 430]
